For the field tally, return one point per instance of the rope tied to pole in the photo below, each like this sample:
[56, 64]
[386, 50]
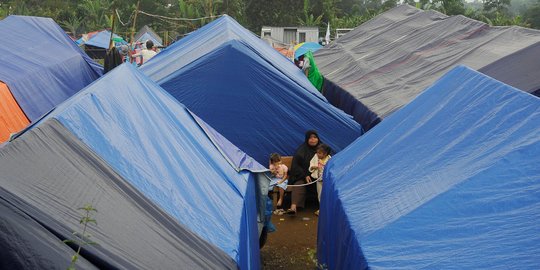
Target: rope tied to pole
[300, 185]
[178, 19]
[306, 184]
[129, 19]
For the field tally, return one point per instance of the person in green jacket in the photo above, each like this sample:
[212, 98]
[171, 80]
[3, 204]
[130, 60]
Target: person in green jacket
[312, 72]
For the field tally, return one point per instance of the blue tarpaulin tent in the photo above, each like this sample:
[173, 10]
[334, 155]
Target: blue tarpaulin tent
[247, 91]
[98, 45]
[171, 157]
[102, 39]
[42, 66]
[450, 181]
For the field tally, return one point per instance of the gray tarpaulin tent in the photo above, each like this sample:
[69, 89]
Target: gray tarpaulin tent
[47, 174]
[27, 244]
[146, 33]
[520, 69]
[384, 63]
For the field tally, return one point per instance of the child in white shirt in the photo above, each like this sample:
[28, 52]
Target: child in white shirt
[316, 167]
[279, 176]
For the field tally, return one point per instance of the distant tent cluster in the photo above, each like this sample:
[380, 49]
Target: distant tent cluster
[383, 64]
[170, 154]
[97, 43]
[142, 158]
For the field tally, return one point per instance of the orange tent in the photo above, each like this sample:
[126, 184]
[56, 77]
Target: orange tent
[12, 118]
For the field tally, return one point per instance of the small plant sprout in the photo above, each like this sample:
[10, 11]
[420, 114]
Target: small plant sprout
[312, 254]
[82, 239]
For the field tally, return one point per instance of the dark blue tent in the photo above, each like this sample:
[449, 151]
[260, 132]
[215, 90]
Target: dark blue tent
[450, 181]
[42, 66]
[247, 91]
[167, 156]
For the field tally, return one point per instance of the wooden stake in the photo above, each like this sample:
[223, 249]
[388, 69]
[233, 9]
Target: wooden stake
[134, 22]
[112, 32]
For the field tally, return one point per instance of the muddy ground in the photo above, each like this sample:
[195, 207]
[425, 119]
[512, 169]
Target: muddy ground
[294, 243]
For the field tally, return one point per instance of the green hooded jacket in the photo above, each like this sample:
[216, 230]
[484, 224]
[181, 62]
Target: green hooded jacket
[314, 76]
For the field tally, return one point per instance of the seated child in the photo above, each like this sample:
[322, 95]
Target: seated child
[316, 167]
[279, 176]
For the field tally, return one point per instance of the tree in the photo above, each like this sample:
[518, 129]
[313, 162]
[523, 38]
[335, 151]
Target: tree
[235, 9]
[277, 13]
[188, 10]
[210, 7]
[532, 16]
[330, 10]
[72, 25]
[309, 19]
[388, 4]
[19, 8]
[410, 2]
[95, 14]
[452, 7]
[500, 6]
[501, 19]
[4, 9]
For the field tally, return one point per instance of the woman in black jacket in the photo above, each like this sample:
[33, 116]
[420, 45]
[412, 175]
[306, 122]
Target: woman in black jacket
[299, 173]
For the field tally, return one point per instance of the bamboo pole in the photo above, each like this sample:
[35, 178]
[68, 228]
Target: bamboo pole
[134, 22]
[112, 31]
[166, 36]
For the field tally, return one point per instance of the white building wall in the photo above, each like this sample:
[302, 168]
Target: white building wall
[278, 33]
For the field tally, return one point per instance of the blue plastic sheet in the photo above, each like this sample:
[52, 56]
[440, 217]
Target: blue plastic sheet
[450, 181]
[236, 157]
[246, 98]
[155, 144]
[42, 66]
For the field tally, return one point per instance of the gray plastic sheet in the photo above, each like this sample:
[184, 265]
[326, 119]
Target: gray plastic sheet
[520, 69]
[27, 244]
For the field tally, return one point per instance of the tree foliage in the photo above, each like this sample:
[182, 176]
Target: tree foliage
[499, 6]
[309, 19]
[81, 16]
[532, 15]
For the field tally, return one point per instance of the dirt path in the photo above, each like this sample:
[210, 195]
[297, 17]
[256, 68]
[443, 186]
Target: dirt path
[294, 243]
